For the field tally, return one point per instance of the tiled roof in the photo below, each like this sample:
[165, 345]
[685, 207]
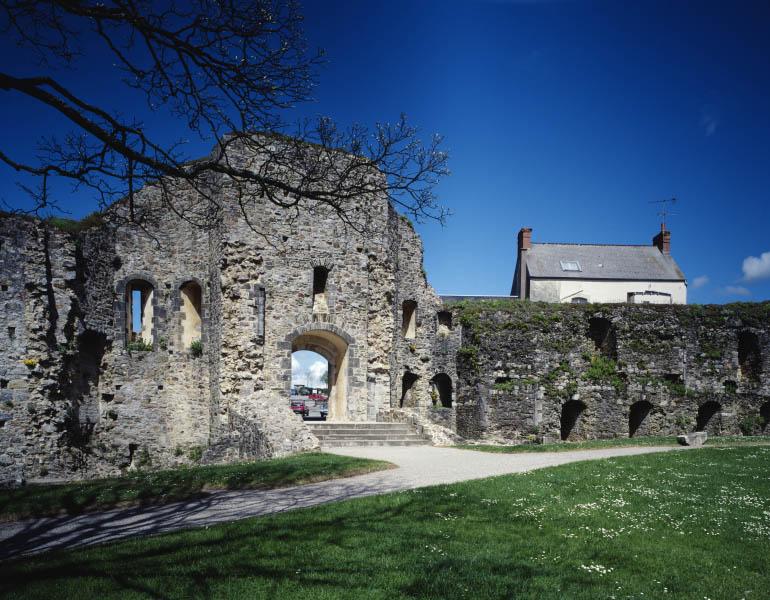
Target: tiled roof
[602, 262]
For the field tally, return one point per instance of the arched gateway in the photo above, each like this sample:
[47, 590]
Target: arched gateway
[334, 345]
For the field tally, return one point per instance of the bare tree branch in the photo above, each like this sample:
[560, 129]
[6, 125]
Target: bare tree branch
[230, 70]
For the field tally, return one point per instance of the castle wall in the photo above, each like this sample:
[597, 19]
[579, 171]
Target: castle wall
[144, 399]
[530, 370]
[39, 309]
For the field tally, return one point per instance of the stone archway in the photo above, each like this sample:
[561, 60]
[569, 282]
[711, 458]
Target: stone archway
[336, 350]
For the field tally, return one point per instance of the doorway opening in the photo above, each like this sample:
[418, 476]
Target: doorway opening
[309, 385]
[327, 388]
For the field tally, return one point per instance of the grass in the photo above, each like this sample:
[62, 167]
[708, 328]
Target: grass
[727, 440]
[158, 487]
[693, 524]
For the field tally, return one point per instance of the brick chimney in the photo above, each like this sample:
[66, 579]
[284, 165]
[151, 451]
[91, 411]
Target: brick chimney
[520, 277]
[525, 238]
[662, 240]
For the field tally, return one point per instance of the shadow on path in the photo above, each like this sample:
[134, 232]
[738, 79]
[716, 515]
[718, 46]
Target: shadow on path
[417, 467]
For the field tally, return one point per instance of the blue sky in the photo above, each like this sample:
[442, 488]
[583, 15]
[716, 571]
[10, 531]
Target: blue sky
[568, 117]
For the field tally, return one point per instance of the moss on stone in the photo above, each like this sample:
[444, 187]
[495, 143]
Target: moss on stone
[73, 226]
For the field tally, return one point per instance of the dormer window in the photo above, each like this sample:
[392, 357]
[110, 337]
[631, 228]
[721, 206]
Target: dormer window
[570, 265]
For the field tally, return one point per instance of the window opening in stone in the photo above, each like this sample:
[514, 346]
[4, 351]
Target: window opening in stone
[192, 299]
[637, 415]
[571, 414]
[259, 308]
[409, 319]
[320, 279]
[602, 332]
[4, 287]
[709, 417]
[139, 313]
[444, 320]
[309, 385]
[749, 355]
[764, 416]
[12, 333]
[407, 393]
[3, 384]
[441, 390]
[132, 448]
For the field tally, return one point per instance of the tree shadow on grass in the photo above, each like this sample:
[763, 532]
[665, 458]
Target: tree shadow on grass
[341, 549]
[161, 487]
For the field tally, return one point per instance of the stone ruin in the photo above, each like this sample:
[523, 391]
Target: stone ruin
[549, 372]
[222, 308]
[207, 375]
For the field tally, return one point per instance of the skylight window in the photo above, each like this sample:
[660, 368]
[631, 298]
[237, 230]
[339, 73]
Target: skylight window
[570, 265]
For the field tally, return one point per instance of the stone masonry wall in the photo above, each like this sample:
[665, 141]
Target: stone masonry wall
[38, 435]
[90, 400]
[532, 370]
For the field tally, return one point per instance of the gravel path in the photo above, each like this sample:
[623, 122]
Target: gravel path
[418, 466]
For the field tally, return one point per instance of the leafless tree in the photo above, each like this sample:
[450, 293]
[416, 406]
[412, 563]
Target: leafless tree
[230, 71]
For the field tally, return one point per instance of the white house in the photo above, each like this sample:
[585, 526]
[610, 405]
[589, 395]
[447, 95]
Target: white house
[581, 273]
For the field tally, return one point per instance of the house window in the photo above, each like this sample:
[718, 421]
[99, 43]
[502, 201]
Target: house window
[409, 319]
[320, 278]
[570, 265]
[579, 300]
[139, 311]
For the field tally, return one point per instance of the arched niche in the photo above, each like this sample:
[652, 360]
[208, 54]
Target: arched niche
[407, 393]
[709, 417]
[571, 413]
[637, 414]
[190, 307]
[409, 319]
[441, 388]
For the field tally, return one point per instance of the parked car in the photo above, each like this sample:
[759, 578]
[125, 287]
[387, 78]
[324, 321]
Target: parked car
[298, 406]
[324, 410]
[316, 397]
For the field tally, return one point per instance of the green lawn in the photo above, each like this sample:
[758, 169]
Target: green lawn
[693, 524]
[147, 487]
[727, 440]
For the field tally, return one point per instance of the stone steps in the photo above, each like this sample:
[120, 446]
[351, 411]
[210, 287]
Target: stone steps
[366, 434]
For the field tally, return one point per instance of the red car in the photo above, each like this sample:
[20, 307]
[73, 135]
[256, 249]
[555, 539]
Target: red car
[298, 406]
[317, 397]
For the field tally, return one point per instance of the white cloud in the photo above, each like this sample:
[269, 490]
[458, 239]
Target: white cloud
[736, 290]
[699, 282]
[315, 372]
[756, 267]
[296, 369]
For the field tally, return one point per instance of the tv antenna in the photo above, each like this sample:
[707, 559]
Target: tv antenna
[665, 209]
